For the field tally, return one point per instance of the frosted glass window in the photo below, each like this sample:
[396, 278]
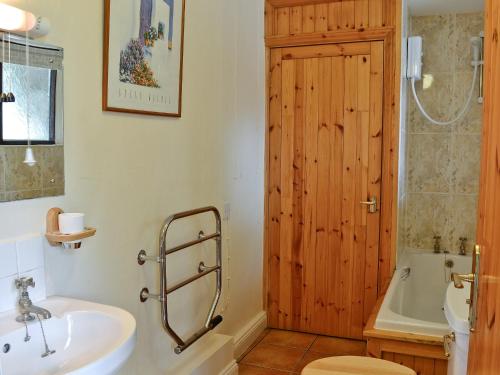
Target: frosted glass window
[41, 94]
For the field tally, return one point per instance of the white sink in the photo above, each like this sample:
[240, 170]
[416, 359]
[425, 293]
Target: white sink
[88, 338]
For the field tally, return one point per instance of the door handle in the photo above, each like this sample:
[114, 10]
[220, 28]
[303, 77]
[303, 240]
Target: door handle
[475, 289]
[459, 279]
[372, 204]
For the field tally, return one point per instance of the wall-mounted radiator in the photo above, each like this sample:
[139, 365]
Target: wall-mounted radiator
[203, 270]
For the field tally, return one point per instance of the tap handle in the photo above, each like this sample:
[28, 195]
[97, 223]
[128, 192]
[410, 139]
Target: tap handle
[25, 282]
[437, 244]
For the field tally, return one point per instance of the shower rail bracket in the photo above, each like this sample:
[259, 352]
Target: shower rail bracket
[203, 270]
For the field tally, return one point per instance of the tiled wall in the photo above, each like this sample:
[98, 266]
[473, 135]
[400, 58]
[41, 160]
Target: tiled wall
[21, 257]
[19, 181]
[442, 162]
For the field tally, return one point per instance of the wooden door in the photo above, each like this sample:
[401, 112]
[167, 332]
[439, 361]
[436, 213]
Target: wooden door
[325, 157]
[484, 357]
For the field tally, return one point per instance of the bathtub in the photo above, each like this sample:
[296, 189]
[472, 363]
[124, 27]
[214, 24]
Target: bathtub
[415, 298]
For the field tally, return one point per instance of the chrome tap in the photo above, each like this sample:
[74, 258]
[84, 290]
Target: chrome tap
[437, 244]
[26, 308]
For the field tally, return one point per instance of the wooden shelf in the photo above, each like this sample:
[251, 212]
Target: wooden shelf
[55, 237]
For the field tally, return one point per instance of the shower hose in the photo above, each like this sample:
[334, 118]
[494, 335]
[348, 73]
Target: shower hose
[476, 65]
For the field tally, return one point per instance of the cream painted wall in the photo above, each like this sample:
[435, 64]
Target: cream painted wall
[127, 173]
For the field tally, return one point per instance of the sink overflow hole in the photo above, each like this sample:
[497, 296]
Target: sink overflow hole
[6, 348]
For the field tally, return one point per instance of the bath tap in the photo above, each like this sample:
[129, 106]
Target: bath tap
[463, 246]
[437, 244]
[26, 308]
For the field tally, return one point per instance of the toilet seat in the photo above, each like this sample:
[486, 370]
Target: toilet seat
[355, 366]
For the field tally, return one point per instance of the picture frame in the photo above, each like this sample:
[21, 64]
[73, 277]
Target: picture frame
[143, 56]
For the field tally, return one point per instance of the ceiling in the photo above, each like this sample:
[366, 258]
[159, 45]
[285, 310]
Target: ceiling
[429, 7]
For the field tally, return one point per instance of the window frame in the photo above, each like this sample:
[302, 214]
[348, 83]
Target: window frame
[52, 115]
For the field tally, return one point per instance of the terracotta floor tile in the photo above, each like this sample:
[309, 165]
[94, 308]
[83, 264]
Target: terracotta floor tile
[273, 356]
[254, 370]
[259, 339]
[336, 346]
[308, 358]
[291, 339]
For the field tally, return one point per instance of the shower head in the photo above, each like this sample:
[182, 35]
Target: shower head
[477, 45]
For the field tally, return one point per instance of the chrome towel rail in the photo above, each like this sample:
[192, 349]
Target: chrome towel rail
[211, 321]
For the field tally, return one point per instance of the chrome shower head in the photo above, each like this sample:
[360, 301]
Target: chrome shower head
[477, 45]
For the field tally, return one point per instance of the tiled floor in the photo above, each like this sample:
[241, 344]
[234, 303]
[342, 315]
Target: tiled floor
[283, 352]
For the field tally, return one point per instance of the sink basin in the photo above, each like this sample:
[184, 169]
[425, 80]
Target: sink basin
[88, 338]
[456, 308]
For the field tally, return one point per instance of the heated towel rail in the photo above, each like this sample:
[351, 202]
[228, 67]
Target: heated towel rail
[211, 321]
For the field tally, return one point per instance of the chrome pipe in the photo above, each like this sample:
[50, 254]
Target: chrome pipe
[191, 243]
[164, 281]
[192, 278]
[219, 272]
[481, 70]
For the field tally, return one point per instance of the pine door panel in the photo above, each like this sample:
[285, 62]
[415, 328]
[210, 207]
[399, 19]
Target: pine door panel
[325, 144]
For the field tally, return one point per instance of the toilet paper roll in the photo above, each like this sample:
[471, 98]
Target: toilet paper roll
[70, 223]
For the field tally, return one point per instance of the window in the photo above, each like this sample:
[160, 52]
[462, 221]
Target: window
[42, 97]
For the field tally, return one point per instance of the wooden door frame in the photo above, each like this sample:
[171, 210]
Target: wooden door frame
[391, 37]
[482, 358]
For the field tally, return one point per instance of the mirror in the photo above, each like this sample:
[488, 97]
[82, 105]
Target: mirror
[36, 113]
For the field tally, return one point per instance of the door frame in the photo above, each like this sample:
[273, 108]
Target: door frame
[391, 37]
[482, 338]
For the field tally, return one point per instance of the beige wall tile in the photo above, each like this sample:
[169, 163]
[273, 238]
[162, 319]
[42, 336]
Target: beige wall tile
[472, 122]
[428, 215]
[466, 159]
[52, 163]
[19, 176]
[437, 100]
[19, 181]
[443, 162]
[429, 161]
[464, 214]
[25, 194]
[467, 26]
[438, 37]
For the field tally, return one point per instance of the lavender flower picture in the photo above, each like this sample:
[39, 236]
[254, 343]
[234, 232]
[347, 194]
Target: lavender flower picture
[143, 47]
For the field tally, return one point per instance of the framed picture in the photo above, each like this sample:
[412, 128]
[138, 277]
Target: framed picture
[143, 51]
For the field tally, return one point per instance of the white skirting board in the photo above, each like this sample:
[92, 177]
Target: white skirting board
[231, 369]
[249, 333]
[212, 354]
[217, 354]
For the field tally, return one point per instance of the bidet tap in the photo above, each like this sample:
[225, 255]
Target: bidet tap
[28, 311]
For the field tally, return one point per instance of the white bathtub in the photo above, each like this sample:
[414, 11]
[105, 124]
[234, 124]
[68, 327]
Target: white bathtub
[415, 304]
